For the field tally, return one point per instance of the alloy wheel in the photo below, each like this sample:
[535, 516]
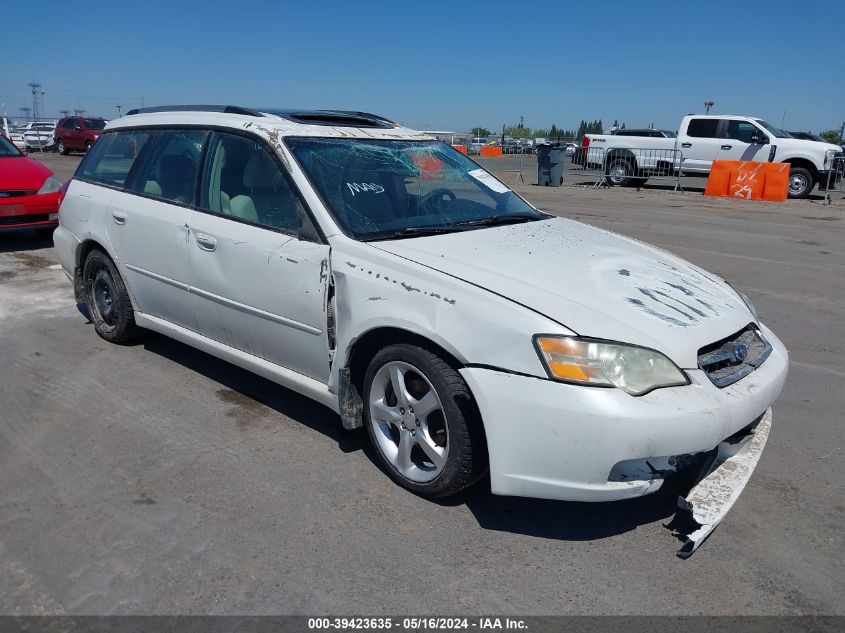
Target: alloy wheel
[408, 421]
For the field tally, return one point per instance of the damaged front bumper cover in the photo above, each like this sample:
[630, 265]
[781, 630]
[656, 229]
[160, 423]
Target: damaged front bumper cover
[714, 495]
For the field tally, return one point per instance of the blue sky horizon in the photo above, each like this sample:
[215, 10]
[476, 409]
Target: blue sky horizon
[441, 65]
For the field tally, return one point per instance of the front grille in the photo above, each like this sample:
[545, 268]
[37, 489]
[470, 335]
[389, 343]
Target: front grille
[734, 357]
[24, 219]
[15, 193]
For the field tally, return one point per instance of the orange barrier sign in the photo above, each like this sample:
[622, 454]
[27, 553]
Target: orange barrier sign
[491, 150]
[748, 180]
[461, 148]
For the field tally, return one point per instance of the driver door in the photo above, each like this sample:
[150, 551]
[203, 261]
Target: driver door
[737, 142]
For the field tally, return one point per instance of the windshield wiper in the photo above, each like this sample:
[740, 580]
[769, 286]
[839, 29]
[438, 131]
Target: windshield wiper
[417, 231]
[495, 220]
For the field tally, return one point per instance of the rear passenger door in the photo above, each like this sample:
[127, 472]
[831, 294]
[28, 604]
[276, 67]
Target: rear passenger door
[259, 271]
[147, 223]
[701, 143]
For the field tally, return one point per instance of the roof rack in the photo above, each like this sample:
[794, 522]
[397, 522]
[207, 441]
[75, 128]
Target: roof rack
[227, 109]
[342, 118]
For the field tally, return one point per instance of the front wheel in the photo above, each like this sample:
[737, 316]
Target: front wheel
[60, 147]
[108, 300]
[801, 182]
[423, 422]
[88, 145]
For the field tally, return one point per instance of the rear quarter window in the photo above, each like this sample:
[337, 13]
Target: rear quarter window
[111, 158]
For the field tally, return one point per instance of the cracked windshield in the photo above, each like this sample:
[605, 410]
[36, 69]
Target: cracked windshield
[394, 189]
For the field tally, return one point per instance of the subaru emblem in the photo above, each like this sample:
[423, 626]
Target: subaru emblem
[740, 352]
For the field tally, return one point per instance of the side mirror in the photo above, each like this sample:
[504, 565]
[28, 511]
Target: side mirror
[759, 139]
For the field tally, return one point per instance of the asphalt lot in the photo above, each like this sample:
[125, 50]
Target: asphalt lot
[153, 478]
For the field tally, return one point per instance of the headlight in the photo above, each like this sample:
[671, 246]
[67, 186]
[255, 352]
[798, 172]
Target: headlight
[51, 185]
[634, 370]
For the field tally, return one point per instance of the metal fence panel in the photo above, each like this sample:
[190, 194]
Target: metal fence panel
[836, 177]
[588, 162]
[625, 166]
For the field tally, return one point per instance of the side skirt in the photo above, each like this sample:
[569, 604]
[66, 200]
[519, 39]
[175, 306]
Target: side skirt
[309, 387]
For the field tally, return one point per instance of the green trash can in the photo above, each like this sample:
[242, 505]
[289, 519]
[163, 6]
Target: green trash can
[550, 160]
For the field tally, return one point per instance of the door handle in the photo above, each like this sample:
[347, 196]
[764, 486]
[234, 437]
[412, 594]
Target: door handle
[686, 144]
[206, 242]
[727, 146]
[119, 217]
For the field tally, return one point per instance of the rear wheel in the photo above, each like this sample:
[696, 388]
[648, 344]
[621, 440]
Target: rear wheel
[619, 173]
[108, 300]
[801, 182]
[423, 422]
[60, 147]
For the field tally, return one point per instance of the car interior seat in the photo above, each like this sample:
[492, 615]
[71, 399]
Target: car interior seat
[174, 178]
[267, 194]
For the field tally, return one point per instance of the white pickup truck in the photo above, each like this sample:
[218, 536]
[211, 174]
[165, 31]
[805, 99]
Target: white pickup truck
[701, 139]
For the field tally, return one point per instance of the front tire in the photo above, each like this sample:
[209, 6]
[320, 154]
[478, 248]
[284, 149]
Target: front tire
[88, 145]
[61, 148]
[801, 183]
[107, 299]
[423, 422]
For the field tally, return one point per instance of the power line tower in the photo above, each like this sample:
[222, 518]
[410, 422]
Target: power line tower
[36, 97]
[119, 108]
[64, 113]
[78, 112]
[26, 112]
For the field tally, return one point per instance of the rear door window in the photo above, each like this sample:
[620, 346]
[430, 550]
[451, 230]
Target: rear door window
[169, 169]
[703, 128]
[111, 158]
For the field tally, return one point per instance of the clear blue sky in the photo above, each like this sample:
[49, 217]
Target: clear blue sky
[439, 65]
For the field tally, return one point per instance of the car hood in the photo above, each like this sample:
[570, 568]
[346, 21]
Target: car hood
[593, 282]
[22, 172]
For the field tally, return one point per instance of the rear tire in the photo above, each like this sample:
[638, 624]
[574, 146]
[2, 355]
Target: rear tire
[443, 441]
[801, 182]
[107, 299]
[619, 173]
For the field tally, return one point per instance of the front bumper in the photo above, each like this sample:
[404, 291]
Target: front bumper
[707, 503]
[558, 441]
[35, 211]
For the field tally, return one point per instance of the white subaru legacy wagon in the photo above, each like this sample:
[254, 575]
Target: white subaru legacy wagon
[389, 277]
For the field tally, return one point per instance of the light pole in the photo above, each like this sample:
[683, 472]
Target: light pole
[707, 106]
[119, 108]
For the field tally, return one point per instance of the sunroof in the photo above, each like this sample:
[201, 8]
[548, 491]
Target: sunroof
[338, 118]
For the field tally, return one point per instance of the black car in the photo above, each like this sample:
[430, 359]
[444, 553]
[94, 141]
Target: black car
[807, 136]
[649, 132]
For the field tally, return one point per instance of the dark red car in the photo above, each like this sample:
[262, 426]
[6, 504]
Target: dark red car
[77, 133]
[29, 192]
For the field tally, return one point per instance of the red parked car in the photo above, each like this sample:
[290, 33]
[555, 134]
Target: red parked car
[77, 133]
[29, 192]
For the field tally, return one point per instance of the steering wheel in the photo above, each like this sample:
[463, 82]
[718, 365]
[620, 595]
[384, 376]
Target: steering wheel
[437, 195]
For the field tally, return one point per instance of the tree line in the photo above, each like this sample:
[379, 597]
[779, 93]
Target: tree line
[554, 132]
